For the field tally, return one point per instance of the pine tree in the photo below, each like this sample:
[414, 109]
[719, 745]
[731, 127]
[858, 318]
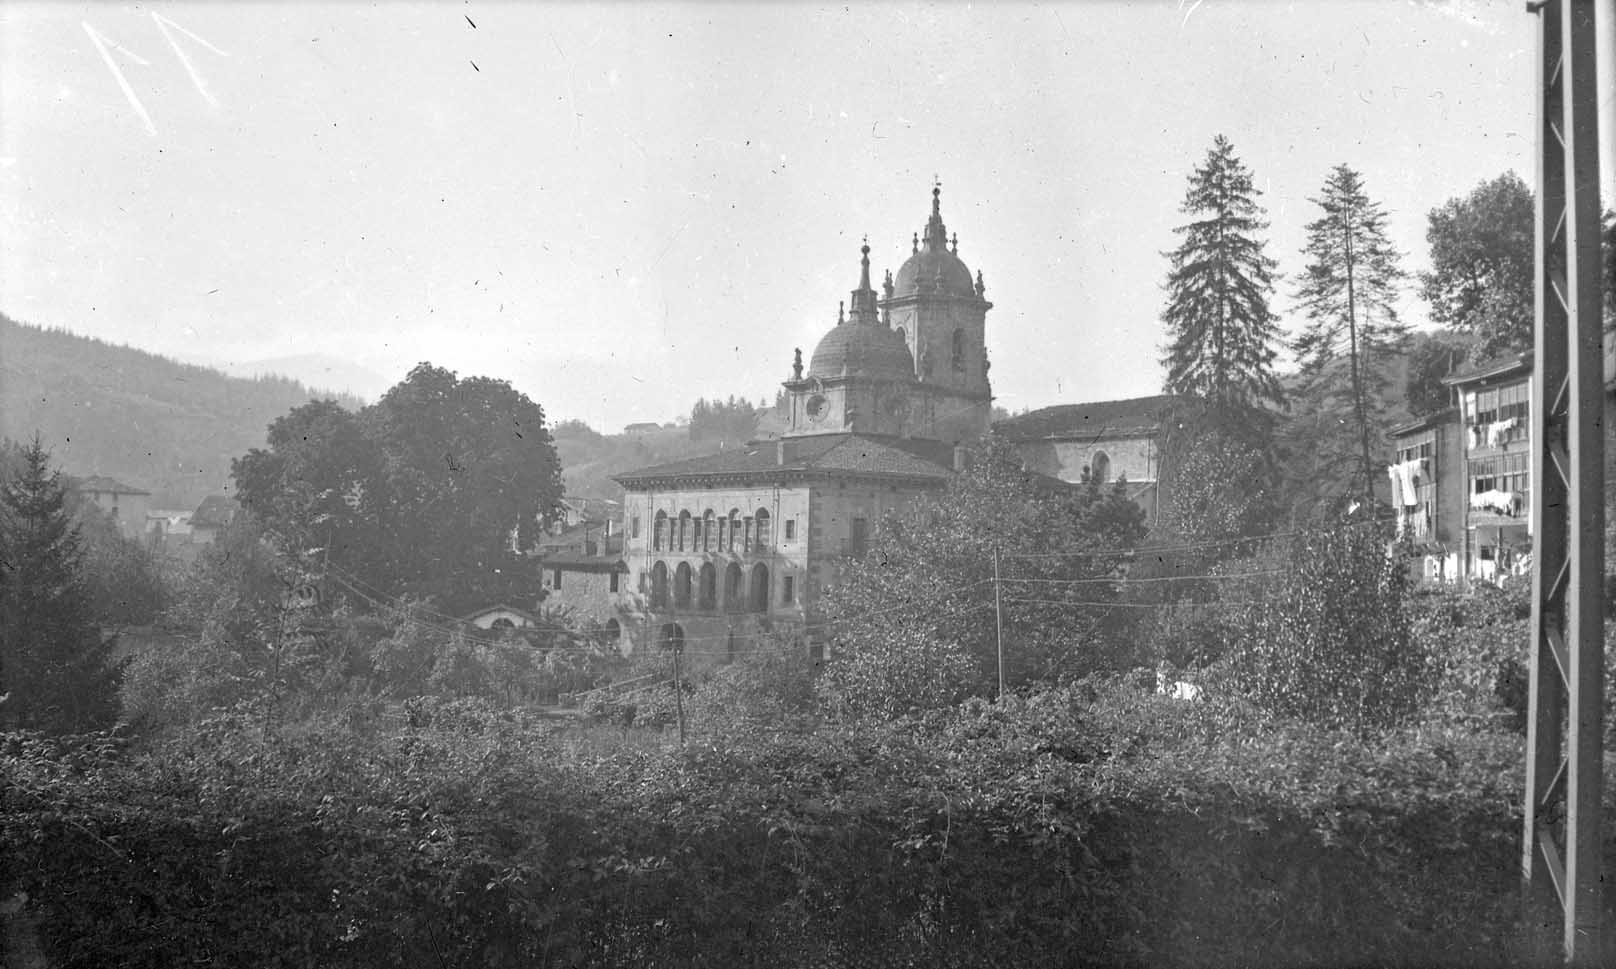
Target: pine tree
[54, 666]
[1222, 331]
[1348, 294]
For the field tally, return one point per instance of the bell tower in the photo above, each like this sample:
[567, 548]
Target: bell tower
[941, 313]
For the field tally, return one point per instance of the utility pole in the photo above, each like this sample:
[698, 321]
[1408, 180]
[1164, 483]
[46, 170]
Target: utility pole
[679, 688]
[1560, 851]
[998, 618]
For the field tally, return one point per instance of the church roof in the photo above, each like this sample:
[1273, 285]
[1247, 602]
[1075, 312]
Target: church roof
[934, 268]
[1107, 418]
[827, 455]
[861, 345]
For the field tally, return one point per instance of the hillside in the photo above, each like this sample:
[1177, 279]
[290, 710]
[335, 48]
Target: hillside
[590, 458]
[168, 427]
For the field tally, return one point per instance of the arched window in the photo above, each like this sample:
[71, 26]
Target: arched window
[1100, 467]
[959, 350]
[659, 532]
[734, 529]
[681, 586]
[613, 631]
[758, 601]
[502, 623]
[746, 539]
[707, 597]
[762, 530]
[684, 531]
[723, 534]
[708, 521]
[734, 589]
[659, 586]
[695, 534]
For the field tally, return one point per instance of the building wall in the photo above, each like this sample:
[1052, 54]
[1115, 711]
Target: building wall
[834, 509]
[129, 510]
[589, 595]
[1495, 541]
[1135, 457]
[780, 556]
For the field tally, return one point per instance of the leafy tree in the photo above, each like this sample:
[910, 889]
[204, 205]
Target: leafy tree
[1481, 281]
[1431, 357]
[1330, 642]
[731, 421]
[912, 623]
[1352, 335]
[1223, 334]
[55, 669]
[422, 494]
[121, 574]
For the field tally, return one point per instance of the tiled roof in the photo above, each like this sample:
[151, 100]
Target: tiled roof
[216, 511]
[1102, 418]
[580, 562]
[851, 454]
[1495, 367]
[100, 482]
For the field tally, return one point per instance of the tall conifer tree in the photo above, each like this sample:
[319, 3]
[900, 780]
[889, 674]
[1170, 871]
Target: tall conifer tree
[1221, 329]
[55, 669]
[1348, 294]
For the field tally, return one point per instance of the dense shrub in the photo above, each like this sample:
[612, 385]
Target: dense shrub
[1095, 826]
[1330, 641]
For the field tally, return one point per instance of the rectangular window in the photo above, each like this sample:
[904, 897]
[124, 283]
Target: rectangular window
[635, 525]
[556, 584]
[791, 529]
[788, 590]
[613, 580]
[858, 538]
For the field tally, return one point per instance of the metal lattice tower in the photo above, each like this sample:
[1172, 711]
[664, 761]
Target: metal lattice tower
[1564, 768]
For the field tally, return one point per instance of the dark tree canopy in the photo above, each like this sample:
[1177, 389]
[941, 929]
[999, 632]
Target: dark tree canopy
[732, 421]
[912, 623]
[1222, 334]
[422, 493]
[55, 669]
[1352, 335]
[1482, 265]
[1431, 357]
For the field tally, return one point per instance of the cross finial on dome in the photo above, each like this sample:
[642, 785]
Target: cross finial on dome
[841, 307]
[936, 235]
[914, 244]
[864, 266]
[953, 243]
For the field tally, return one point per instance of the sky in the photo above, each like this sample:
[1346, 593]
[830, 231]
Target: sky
[622, 207]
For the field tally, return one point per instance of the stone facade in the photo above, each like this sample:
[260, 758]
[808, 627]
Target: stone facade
[1108, 440]
[126, 504]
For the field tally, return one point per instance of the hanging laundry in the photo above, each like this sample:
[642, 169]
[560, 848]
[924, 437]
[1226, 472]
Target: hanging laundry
[1394, 472]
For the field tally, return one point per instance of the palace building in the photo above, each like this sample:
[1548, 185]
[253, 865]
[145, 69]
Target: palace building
[719, 549]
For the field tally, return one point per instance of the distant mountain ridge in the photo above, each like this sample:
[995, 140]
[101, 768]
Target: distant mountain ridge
[170, 428]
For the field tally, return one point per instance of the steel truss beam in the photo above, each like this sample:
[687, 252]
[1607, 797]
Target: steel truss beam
[1561, 845]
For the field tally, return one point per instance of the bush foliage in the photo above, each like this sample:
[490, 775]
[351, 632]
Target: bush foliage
[1096, 825]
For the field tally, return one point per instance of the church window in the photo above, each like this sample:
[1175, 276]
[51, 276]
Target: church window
[707, 522]
[734, 589]
[959, 350]
[635, 527]
[760, 588]
[791, 529]
[746, 539]
[695, 534]
[1100, 467]
[659, 531]
[723, 534]
[684, 530]
[788, 590]
[762, 529]
[734, 529]
[659, 585]
[708, 595]
[682, 582]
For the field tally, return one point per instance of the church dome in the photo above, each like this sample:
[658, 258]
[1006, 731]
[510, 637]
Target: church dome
[862, 350]
[934, 268]
[861, 345]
